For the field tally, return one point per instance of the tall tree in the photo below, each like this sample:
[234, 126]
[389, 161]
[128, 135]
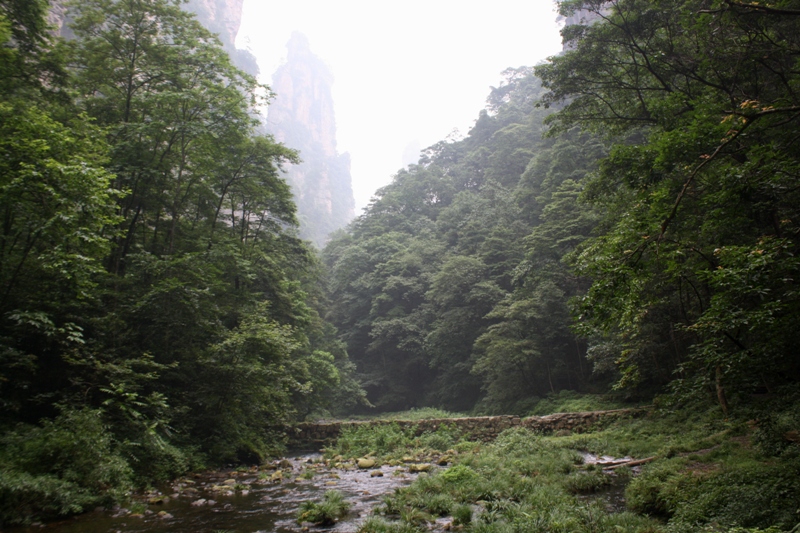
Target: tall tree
[694, 269]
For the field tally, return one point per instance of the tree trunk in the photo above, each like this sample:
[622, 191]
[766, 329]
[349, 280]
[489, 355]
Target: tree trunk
[723, 401]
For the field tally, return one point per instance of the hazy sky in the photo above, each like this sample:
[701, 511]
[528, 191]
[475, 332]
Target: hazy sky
[405, 72]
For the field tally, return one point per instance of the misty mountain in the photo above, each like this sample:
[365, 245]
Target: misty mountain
[302, 117]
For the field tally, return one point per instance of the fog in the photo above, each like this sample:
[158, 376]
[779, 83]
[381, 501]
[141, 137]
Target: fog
[407, 74]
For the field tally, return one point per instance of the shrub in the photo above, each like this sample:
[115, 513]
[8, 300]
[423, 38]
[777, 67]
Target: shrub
[24, 497]
[62, 467]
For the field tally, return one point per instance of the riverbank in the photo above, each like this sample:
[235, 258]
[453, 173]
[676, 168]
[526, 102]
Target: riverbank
[666, 472]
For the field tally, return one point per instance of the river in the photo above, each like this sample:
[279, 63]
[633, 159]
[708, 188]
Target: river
[262, 499]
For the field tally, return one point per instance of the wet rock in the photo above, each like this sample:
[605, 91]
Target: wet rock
[414, 469]
[366, 463]
[164, 515]
[376, 473]
[199, 503]
[158, 500]
[229, 482]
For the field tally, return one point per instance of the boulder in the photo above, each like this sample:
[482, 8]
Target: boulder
[366, 463]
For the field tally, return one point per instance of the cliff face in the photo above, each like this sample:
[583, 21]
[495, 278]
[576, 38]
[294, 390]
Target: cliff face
[302, 117]
[222, 17]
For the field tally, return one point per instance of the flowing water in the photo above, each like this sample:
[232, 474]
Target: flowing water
[263, 500]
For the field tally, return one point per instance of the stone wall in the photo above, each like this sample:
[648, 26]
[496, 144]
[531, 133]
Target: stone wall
[484, 428]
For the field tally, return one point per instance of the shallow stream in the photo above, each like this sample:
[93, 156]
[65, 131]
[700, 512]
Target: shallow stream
[261, 500]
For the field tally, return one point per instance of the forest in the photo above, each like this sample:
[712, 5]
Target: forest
[621, 220]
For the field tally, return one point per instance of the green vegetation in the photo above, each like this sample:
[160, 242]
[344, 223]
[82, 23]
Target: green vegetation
[621, 216]
[157, 311]
[325, 513]
[621, 226]
[422, 413]
[704, 474]
[567, 401]
[390, 441]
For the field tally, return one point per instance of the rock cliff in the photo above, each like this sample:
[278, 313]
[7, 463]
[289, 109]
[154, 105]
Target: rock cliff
[222, 17]
[302, 117]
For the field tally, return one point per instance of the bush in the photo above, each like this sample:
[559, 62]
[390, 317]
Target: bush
[24, 497]
[63, 467]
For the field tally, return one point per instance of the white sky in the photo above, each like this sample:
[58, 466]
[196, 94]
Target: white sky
[405, 72]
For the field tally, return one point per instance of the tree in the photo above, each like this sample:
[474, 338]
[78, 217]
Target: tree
[703, 95]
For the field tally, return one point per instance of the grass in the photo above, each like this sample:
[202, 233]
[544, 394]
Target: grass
[573, 402]
[332, 508]
[413, 414]
[708, 474]
[391, 441]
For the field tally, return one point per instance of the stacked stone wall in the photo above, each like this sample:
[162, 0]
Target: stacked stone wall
[484, 428]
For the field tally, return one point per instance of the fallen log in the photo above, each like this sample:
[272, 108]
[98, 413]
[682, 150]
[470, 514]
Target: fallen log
[633, 462]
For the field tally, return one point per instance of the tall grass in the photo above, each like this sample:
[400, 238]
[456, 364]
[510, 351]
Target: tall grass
[707, 474]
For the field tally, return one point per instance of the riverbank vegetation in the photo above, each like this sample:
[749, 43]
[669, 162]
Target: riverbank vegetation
[680, 470]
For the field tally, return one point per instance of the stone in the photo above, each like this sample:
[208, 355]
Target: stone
[416, 468]
[376, 473]
[164, 515]
[229, 482]
[199, 503]
[366, 463]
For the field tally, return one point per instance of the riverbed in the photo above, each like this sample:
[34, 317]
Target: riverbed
[266, 499]
[255, 500]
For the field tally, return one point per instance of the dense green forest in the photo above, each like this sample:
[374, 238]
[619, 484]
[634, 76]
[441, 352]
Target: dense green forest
[623, 215]
[622, 218]
[158, 311]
